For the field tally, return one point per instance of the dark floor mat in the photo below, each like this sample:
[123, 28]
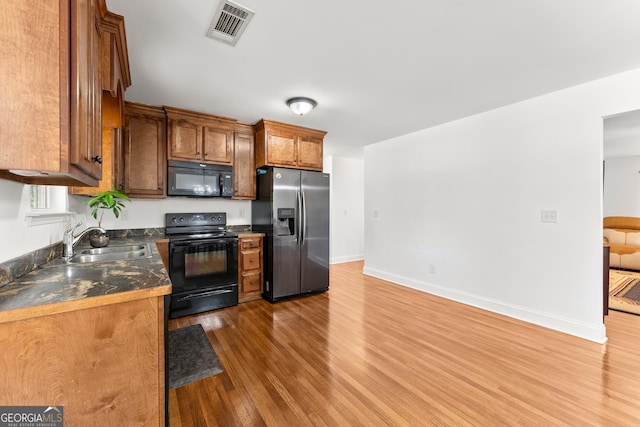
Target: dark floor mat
[191, 357]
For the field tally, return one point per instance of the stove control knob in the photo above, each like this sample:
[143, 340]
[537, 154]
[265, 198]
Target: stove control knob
[174, 219]
[181, 219]
[219, 218]
[213, 218]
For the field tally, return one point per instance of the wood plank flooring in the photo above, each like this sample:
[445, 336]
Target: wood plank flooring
[371, 353]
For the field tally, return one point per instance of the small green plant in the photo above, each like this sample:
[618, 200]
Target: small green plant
[107, 200]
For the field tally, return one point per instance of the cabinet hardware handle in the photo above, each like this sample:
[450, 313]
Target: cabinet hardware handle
[97, 159]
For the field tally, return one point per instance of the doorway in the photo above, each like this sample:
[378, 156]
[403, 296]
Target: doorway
[621, 187]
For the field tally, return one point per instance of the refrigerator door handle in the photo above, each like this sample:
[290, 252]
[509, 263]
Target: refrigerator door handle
[299, 217]
[303, 216]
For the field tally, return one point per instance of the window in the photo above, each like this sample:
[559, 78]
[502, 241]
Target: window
[47, 204]
[40, 198]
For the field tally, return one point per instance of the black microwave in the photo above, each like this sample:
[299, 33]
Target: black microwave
[195, 179]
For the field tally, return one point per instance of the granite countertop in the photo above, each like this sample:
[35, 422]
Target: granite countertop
[57, 282]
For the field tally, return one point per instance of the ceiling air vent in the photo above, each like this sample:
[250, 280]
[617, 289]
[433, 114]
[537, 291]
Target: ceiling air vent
[229, 22]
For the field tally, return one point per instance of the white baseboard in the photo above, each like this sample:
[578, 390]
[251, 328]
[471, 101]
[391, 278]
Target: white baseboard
[349, 258]
[596, 333]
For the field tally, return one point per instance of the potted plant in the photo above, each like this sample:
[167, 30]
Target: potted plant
[112, 200]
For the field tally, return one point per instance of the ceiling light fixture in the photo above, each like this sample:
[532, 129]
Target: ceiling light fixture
[301, 105]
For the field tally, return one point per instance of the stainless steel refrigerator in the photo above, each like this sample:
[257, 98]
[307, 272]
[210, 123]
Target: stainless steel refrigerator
[292, 209]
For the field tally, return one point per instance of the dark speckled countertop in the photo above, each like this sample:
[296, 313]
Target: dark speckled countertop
[59, 282]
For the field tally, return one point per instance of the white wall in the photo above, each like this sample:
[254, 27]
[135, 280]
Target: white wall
[18, 235]
[459, 207]
[622, 186]
[148, 213]
[347, 209]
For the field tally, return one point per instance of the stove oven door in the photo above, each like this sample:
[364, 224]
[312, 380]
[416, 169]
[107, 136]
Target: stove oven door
[204, 274]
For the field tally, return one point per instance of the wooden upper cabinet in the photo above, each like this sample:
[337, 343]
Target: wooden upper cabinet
[115, 79]
[145, 156]
[184, 140]
[86, 88]
[281, 148]
[116, 75]
[310, 152]
[244, 163]
[218, 144]
[199, 137]
[281, 144]
[51, 89]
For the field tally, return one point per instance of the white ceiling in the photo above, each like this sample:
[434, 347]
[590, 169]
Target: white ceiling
[378, 69]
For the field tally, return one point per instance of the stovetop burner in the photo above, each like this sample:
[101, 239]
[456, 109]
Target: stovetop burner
[196, 223]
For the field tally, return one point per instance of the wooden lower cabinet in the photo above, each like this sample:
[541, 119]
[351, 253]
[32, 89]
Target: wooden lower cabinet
[250, 268]
[104, 364]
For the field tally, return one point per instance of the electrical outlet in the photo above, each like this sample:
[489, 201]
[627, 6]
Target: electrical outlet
[432, 268]
[241, 213]
[375, 213]
[82, 219]
[549, 216]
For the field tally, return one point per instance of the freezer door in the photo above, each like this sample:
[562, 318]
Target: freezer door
[286, 252]
[314, 249]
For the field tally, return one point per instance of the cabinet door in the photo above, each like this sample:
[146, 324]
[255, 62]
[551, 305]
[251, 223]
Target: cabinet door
[281, 148]
[82, 359]
[185, 140]
[115, 79]
[86, 88]
[145, 156]
[310, 152]
[50, 92]
[244, 166]
[218, 145]
[33, 86]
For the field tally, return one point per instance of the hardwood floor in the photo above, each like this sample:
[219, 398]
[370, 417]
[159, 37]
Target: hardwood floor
[373, 353]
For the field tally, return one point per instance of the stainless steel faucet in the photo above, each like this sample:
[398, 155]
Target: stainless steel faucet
[69, 240]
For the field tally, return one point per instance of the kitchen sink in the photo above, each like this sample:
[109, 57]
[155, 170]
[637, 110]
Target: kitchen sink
[111, 253]
[114, 249]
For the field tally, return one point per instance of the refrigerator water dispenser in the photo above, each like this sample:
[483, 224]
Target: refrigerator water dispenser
[286, 222]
